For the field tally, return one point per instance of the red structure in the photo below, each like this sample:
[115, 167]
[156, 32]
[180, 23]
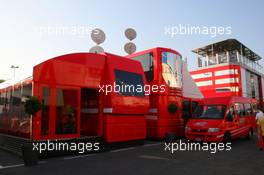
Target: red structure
[221, 119]
[231, 80]
[72, 107]
[229, 68]
[163, 67]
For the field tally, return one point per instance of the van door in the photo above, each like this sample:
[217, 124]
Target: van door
[240, 120]
[231, 120]
[249, 116]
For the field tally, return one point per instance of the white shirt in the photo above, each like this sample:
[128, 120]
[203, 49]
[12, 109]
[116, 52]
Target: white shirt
[259, 115]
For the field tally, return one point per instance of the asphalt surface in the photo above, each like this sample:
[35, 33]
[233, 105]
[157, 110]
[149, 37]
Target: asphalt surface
[149, 159]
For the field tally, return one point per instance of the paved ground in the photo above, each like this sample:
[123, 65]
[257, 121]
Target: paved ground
[150, 159]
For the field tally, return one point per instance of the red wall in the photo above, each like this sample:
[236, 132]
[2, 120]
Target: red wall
[210, 90]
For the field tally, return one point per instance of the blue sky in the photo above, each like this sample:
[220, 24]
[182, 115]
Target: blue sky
[22, 43]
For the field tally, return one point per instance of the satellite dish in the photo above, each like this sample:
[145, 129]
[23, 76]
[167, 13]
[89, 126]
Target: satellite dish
[130, 34]
[98, 36]
[96, 49]
[130, 47]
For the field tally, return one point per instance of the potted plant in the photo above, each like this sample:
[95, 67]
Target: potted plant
[170, 137]
[172, 108]
[32, 106]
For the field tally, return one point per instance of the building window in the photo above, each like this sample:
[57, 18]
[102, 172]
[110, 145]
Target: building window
[8, 102]
[45, 111]
[66, 111]
[256, 87]
[249, 87]
[222, 58]
[15, 107]
[2, 103]
[211, 60]
[233, 56]
[26, 93]
[172, 69]
[128, 83]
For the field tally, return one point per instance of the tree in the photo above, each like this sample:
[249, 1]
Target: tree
[1, 81]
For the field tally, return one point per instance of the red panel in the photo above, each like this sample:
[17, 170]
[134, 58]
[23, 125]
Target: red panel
[119, 128]
[81, 70]
[124, 104]
[210, 90]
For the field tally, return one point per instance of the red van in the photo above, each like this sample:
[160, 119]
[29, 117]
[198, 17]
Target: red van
[221, 119]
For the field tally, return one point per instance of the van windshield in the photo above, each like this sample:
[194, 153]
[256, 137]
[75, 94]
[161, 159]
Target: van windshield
[210, 112]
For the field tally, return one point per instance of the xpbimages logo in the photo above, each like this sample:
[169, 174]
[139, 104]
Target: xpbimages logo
[196, 146]
[65, 146]
[187, 29]
[135, 90]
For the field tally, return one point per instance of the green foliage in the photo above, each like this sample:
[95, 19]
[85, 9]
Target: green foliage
[1, 81]
[32, 105]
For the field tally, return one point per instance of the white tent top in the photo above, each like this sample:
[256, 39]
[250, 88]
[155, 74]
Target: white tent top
[12, 82]
[190, 89]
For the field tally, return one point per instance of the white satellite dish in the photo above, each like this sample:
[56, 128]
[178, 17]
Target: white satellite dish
[98, 36]
[96, 49]
[130, 47]
[130, 34]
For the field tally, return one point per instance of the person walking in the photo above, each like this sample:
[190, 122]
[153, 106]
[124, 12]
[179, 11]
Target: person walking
[260, 127]
[259, 114]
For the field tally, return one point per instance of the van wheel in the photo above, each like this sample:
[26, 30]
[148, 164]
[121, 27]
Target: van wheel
[227, 137]
[249, 134]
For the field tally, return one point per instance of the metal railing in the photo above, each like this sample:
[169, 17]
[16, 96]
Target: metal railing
[239, 59]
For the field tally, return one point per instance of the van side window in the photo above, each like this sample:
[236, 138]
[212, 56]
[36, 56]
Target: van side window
[248, 109]
[186, 110]
[230, 114]
[255, 108]
[240, 109]
[194, 105]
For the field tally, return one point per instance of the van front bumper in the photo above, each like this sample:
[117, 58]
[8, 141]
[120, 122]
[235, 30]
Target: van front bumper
[204, 137]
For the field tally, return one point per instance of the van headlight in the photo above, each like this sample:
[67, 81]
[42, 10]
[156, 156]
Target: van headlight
[187, 129]
[213, 129]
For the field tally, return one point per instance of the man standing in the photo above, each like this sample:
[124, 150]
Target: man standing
[259, 114]
[260, 124]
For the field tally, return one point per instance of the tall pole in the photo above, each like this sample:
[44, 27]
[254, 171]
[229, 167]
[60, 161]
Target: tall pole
[14, 70]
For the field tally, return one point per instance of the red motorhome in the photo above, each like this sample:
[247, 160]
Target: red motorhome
[221, 119]
[73, 106]
[163, 68]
